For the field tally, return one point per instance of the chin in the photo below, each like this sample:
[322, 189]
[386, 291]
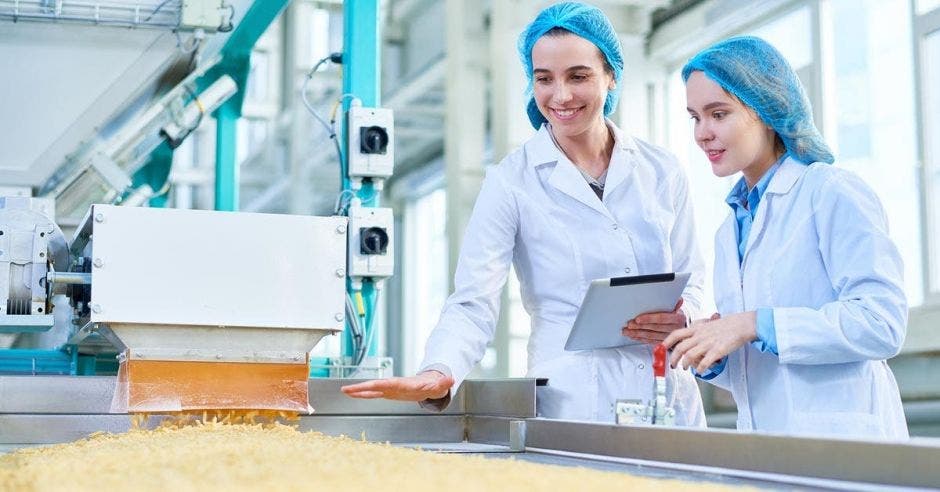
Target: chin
[722, 171]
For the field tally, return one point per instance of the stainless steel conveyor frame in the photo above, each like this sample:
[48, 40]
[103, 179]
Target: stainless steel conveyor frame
[497, 418]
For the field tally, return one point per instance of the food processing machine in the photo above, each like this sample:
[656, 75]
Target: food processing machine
[496, 419]
[206, 310]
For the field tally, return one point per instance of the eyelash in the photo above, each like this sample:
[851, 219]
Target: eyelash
[575, 77]
[718, 115]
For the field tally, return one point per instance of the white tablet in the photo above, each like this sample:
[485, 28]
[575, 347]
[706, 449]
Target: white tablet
[611, 302]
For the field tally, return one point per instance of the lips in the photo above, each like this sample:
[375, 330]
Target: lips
[714, 155]
[566, 114]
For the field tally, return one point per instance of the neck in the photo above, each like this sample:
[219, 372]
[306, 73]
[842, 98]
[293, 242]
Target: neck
[754, 173]
[590, 150]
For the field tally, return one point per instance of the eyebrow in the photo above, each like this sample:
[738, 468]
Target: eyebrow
[711, 105]
[569, 69]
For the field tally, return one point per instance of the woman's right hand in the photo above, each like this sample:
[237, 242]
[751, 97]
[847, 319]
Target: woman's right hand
[422, 386]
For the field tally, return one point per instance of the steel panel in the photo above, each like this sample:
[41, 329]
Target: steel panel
[911, 463]
[92, 394]
[500, 397]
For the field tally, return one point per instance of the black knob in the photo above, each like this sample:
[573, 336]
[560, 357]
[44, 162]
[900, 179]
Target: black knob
[373, 241]
[373, 140]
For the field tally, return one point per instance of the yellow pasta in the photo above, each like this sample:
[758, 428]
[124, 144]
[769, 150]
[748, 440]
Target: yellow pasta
[180, 456]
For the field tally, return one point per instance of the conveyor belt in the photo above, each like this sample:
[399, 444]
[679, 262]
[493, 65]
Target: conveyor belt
[496, 418]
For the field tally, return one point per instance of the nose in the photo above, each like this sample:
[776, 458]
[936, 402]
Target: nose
[703, 132]
[562, 93]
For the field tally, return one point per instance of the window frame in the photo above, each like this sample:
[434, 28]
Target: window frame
[922, 26]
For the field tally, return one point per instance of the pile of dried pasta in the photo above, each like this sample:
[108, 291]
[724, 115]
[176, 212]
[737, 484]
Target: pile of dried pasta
[218, 456]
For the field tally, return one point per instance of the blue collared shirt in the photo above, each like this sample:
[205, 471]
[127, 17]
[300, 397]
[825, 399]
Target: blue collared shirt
[744, 203]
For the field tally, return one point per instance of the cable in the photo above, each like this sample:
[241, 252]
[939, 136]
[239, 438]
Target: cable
[335, 58]
[370, 332]
[353, 324]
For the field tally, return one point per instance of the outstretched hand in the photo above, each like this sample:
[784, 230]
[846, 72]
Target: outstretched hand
[422, 386]
[655, 327]
[708, 341]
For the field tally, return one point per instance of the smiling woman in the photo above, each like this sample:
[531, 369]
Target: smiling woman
[581, 200]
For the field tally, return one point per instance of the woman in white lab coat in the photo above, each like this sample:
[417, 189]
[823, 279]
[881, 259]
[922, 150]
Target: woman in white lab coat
[807, 282]
[580, 200]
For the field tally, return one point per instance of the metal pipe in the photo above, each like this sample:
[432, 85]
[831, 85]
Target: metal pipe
[77, 278]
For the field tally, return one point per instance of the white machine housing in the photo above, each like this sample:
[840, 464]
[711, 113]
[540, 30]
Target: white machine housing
[196, 285]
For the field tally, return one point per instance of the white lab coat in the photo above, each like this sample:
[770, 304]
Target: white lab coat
[536, 210]
[819, 254]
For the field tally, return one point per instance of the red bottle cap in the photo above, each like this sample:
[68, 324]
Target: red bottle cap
[659, 361]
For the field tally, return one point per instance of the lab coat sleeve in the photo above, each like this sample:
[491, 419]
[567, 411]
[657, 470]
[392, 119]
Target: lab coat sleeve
[686, 256]
[868, 321]
[468, 319]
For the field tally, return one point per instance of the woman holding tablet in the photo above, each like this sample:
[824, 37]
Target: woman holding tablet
[807, 282]
[579, 201]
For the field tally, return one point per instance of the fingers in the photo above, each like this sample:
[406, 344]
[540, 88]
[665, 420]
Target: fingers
[693, 355]
[678, 305]
[369, 395]
[711, 358]
[373, 385]
[660, 319]
[715, 316]
[677, 336]
[647, 336]
[679, 349]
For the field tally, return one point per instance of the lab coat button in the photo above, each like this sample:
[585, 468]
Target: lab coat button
[641, 366]
[626, 270]
[615, 226]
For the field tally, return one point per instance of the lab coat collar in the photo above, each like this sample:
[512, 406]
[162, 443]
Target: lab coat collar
[541, 150]
[787, 175]
[781, 183]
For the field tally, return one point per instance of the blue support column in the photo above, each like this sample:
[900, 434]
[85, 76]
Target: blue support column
[226, 168]
[236, 57]
[361, 78]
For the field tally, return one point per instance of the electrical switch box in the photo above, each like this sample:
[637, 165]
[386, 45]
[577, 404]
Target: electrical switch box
[371, 143]
[371, 242]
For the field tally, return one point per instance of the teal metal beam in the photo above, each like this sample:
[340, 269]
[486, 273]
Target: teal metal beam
[226, 167]
[32, 362]
[361, 62]
[155, 173]
[235, 62]
[361, 78]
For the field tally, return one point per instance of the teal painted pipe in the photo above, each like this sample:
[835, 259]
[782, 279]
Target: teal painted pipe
[236, 56]
[361, 78]
[226, 168]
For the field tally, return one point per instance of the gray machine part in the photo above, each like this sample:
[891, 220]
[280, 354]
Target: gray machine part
[31, 244]
[497, 419]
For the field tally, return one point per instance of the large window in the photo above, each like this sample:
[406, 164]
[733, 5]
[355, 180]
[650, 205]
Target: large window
[425, 277]
[930, 116]
[870, 94]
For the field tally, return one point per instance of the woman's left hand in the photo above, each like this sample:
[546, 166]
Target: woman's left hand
[708, 341]
[655, 327]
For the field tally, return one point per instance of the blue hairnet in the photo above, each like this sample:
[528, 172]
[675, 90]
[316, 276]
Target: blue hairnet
[757, 74]
[582, 20]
